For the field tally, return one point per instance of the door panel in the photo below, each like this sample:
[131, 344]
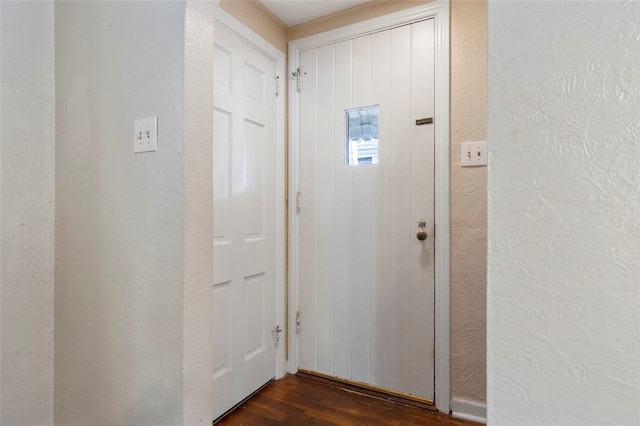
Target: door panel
[361, 223]
[244, 220]
[342, 216]
[308, 259]
[366, 282]
[381, 190]
[422, 199]
[325, 209]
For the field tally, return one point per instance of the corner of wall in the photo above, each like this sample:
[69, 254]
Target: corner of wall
[198, 213]
[468, 202]
[260, 20]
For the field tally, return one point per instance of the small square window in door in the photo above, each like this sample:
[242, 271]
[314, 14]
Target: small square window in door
[361, 145]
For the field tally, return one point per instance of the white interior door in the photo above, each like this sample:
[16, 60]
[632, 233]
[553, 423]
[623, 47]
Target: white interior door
[244, 189]
[366, 286]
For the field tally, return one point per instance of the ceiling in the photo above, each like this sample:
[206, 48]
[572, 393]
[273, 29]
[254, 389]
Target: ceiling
[294, 12]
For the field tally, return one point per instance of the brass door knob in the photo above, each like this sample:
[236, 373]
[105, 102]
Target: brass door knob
[422, 234]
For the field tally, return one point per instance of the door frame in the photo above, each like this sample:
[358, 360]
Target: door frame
[255, 40]
[439, 10]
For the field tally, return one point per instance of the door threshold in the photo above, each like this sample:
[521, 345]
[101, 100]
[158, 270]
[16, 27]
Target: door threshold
[232, 409]
[389, 395]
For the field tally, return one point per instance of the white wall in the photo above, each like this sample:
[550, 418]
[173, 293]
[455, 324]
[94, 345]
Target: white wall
[564, 228]
[26, 215]
[198, 214]
[119, 216]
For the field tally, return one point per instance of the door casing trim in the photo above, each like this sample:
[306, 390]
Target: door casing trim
[272, 52]
[439, 10]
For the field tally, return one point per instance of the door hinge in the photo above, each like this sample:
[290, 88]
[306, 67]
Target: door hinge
[276, 334]
[298, 321]
[277, 85]
[298, 205]
[296, 74]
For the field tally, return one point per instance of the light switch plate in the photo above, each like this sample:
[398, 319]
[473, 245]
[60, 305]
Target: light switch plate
[145, 135]
[473, 154]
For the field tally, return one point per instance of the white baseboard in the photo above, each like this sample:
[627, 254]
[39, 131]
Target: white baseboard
[469, 410]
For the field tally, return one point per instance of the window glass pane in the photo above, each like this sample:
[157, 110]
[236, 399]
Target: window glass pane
[362, 136]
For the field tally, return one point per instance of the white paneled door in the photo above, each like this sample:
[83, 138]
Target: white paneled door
[244, 241]
[366, 291]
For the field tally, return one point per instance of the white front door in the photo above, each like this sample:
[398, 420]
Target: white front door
[366, 291]
[244, 188]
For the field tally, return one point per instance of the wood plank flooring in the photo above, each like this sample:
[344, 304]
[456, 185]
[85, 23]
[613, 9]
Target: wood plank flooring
[303, 401]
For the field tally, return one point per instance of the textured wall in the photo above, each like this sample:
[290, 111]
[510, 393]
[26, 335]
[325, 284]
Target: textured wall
[564, 229]
[468, 185]
[468, 201]
[26, 218]
[259, 19]
[198, 214]
[119, 216]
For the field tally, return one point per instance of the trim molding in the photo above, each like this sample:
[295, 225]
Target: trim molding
[377, 391]
[439, 10]
[469, 410]
[373, 25]
[244, 32]
[442, 216]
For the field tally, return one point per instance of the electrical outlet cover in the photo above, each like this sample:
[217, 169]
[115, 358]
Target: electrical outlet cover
[145, 135]
[473, 154]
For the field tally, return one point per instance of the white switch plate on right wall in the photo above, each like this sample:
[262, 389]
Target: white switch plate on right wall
[473, 154]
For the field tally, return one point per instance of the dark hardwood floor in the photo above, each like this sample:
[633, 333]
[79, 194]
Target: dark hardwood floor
[302, 401]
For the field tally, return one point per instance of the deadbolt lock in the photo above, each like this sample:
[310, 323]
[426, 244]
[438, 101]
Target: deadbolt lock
[422, 233]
